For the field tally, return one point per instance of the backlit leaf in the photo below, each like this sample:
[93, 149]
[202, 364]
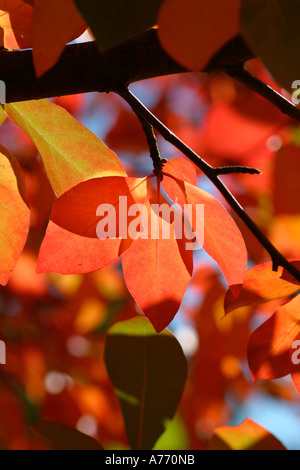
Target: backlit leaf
[71, 153]
[270, 345]
[246, 436]
[223, 240]
[54, 24]
[15, 24]
[14, 214]
[82, 201]
[64, 252]
[157, 271]
[262, 284]
[182, 170]
[194, 30]
[71, 245]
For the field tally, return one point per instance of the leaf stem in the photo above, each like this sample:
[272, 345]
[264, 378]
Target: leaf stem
[212, 173]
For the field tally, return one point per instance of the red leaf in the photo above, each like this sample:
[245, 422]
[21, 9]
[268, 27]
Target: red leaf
[270, 345]
[194, 30]
[287, 168]
[54, 24]
[262, 284]
[157, 272]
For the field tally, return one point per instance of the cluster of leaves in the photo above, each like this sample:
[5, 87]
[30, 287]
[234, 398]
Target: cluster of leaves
[270, 28]
[144, 362]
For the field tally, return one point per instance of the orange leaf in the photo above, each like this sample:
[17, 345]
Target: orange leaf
[71, 245]
[182, 170]
[15, 22]
[270, 345]
[157, 271]
[223, 240]
[64, 252]
[81, 203]
[246, 436]
[194, 30]
[14, 214]
[262, 284]
[54, 24]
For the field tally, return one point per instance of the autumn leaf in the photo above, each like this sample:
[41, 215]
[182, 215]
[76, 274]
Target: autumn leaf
[70, 245]
[14, 214]
[148, 371]
[15, 22]
[82, 201]
[194, 30]
[180, 169]
[261, 285]
[63, 252]
[287, 168]
[157, 271]
[269, 347]
[54, 24]
[246, 436]
[71, 153]
[222, 239]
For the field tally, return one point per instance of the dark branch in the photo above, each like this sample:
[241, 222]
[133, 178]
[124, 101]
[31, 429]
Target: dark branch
[83, 68]
[231, 170]
[209, 171]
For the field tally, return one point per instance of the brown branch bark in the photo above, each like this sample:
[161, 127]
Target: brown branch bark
[82, 68]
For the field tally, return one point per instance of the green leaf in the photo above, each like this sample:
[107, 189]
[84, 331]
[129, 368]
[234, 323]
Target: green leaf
[148, 371]
[71, 153]
[113, 22]
[56, 436]
[271, 27]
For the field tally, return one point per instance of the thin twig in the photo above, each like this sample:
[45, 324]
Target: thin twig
[210, 172]
[236, 170]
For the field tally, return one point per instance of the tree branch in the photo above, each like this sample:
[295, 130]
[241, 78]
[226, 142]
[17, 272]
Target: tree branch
[212, 174]
[82, 68]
